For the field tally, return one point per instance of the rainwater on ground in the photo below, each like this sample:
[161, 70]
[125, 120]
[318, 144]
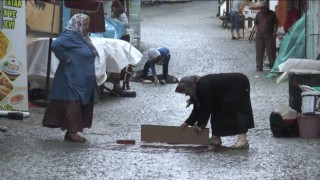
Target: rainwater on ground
[198, 46]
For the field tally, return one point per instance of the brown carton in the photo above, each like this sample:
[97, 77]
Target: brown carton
[173, 134]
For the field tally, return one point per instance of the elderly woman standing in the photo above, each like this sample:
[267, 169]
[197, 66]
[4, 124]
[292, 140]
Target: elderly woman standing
[74, 86]
[226, 98]
[266, 23]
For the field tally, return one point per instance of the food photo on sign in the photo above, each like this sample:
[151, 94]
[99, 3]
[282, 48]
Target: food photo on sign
[4, 45]
[11, 67]
[5, 86]
[13, 72]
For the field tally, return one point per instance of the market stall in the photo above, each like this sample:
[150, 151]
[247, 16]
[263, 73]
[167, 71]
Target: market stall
[114, 55]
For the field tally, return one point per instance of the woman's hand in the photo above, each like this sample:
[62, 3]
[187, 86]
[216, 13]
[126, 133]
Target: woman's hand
[64, 62]
[184, 125]
[156, 81]
[274, 35]
[197, 128]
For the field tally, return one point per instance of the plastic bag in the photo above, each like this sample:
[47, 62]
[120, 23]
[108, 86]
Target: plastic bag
[280, 129]
[286, 111]
[307, 88]
[114, 29]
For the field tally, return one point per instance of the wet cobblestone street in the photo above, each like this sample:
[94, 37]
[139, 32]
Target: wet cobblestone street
[198, 46]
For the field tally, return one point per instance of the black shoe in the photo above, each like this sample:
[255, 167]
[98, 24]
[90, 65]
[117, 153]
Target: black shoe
[162, 82]
[259, 69]
[115, 93]
[270, 66]
[234, 38]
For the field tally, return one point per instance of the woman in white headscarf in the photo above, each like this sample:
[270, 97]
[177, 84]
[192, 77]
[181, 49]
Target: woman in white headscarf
[74, 86]
[157, 56]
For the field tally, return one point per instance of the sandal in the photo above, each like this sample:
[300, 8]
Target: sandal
[215, 140]
[74, 137]
[259, 68]
[240, 144]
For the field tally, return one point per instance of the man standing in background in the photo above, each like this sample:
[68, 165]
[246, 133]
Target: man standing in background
[266, 23]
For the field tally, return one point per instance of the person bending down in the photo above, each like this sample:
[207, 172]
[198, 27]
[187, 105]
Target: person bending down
[226, 98]
[157, 56]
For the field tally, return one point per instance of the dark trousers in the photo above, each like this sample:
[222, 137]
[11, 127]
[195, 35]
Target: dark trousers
[268, 44]
[235, 21]
[146, 68]
[227, 122]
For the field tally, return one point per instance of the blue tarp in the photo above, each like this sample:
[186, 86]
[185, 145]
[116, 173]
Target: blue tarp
[114, 29]
[292, 45]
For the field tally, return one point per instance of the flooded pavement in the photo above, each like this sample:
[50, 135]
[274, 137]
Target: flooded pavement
[198, 46]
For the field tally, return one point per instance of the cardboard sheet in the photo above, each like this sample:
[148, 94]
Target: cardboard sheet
[173, 135]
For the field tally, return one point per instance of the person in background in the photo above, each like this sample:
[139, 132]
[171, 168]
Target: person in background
[266, 23]
[292, 16]
[236, 11]
[159, 56]
[74, 87]
[118, 12]
[225, 99]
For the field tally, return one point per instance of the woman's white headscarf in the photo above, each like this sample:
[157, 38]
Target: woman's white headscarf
[153, 54]
[75, 24]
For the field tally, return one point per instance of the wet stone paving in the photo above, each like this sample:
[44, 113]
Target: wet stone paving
[198, 45]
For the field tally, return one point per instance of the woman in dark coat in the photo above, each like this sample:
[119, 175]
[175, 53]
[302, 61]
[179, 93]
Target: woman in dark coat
[226, 97]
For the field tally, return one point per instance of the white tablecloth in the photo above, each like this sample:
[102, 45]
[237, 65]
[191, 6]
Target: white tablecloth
[114, 55]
